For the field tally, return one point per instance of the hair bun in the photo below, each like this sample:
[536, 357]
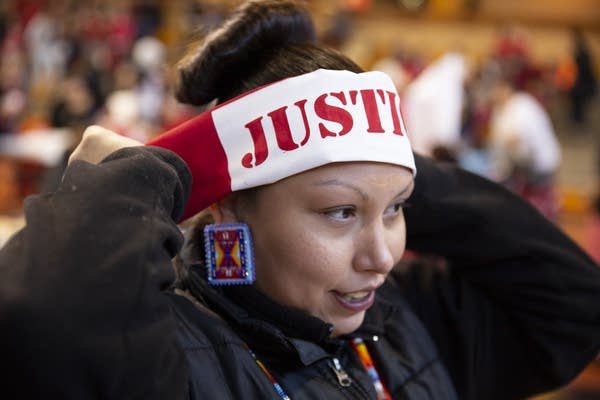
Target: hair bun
[240, 47]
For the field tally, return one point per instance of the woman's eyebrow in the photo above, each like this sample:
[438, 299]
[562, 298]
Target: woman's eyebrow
[408, 187]
[337, 182]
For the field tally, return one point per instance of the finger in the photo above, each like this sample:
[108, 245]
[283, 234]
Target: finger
[98, 142]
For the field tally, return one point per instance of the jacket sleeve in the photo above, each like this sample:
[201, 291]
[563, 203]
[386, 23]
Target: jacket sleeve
[516, 308]
[81, 312]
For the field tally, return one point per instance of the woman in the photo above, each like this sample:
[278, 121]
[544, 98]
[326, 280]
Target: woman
[321, 310]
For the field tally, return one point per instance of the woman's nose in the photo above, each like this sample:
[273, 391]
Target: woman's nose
[373, 251]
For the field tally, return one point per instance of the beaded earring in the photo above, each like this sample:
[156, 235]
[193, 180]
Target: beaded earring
[229, 254]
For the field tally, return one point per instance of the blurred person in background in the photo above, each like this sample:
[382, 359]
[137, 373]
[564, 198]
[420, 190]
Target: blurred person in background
[46, 49]
[593, 231]
[592, 228]
[307, 155]
[122, 114]
[433, 105]
[13, 86]
[512, 52]
[148, 54]
[523, 147]
[73, 106]
[586, 84]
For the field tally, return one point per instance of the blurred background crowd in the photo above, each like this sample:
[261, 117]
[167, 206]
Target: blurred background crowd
[506, 89]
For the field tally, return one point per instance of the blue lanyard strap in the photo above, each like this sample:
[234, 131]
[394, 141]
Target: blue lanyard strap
[280, 392]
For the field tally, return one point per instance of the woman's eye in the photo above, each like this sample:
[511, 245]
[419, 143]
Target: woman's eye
[340, 213]
[395, 208]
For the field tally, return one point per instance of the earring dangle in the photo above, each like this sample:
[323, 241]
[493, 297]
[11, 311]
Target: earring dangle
[229, 254]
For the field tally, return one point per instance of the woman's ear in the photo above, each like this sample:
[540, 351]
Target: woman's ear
[223, 211]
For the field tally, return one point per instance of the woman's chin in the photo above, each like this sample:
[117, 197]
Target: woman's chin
[347, 325]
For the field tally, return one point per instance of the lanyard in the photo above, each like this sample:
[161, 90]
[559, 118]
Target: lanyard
[280, 392]
[363, 355]
[365, 358]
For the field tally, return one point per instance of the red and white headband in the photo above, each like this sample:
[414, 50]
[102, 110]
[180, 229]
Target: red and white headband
[287, 127]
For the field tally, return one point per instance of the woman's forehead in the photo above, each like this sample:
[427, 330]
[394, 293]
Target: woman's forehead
[353, 172]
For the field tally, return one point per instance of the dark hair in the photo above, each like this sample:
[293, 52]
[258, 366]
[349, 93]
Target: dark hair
[263, 42]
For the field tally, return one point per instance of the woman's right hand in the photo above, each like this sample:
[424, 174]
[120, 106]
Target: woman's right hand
[98, 142]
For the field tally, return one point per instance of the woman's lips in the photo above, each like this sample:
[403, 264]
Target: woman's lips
[356, 301]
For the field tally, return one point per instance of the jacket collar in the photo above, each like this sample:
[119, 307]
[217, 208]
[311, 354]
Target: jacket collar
[268, 328]
[272, 329]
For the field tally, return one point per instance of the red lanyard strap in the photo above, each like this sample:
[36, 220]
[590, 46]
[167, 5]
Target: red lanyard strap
[365, 358]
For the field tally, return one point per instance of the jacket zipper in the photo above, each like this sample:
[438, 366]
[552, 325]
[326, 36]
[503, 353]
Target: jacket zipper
[342, 376]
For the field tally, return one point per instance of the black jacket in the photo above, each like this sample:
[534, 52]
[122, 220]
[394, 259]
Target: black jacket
[87, 309]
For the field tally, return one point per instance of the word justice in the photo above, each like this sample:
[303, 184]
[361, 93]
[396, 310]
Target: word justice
[325, 112]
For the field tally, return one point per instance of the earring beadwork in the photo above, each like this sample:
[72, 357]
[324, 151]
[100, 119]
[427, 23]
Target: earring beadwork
[229, 254]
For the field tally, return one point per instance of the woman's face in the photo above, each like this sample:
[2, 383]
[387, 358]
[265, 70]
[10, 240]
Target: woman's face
[325, 239]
